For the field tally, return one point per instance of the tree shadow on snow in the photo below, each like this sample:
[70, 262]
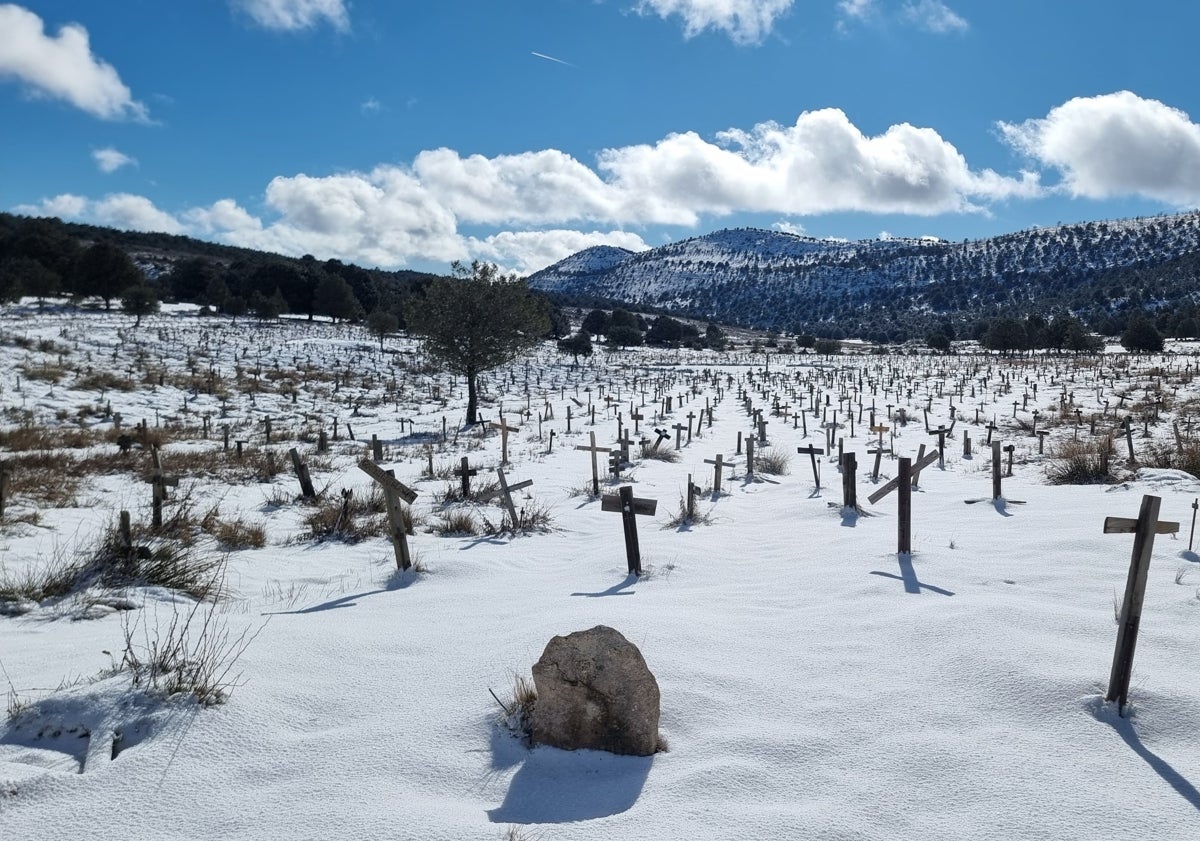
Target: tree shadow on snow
[560, 786]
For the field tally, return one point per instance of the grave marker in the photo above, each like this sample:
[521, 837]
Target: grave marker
[1143, 529]
[629, 507]
[394, 491]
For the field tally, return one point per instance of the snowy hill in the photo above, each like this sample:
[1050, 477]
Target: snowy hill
[887, 288]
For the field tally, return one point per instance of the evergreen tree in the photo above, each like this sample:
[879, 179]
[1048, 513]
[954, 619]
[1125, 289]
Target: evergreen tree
[381, 323]
[1141, 336]
[104, 271]
[478, 320]
[139, 300]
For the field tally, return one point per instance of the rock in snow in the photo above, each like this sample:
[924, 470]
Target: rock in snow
[595, 691]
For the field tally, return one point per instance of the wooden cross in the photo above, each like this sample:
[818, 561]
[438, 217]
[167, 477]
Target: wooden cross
[504, 430]
[465, 472]
[812, 452]
[996, 479]
[690, 417]
[679, 433]
[903, 485]
[636, 417]
[595, 468]
[849, 488]
[394, 491]
[506, 491]
[878, 453]
[1143, 529]
[630, 506]
[663, 435]
[941, 432]
[719, 463]
[762, 430]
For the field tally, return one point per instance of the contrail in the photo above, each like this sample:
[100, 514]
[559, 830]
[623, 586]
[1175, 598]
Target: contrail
[552, 58]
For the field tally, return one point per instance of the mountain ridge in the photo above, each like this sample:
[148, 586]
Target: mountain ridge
[881, 288]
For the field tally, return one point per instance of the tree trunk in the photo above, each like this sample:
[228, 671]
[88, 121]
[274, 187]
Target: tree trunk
[472, 398]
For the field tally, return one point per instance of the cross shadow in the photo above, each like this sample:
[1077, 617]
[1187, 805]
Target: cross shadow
[617, 589]
[909, 576]
[815, 493]
[398, 580]
[1160, 766]
[559, 786]
[1001, 506]
[1188, 555]
[849, 517]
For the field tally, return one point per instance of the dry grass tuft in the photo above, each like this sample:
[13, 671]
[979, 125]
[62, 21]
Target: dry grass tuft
[1086, 462]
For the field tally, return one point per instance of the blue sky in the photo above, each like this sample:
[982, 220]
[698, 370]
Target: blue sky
[411, 134]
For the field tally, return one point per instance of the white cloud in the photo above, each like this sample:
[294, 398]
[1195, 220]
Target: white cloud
[744, 21]
[62, 67]
[292, 15]
[110, 160]
[371, 106]
[118, 210]
[790, 228]
[1116, 144]
[393, 215]
[857, 9]
[934, 16]
[527, 251]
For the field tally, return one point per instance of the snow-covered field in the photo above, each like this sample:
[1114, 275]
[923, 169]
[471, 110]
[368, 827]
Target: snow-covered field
[814, 683]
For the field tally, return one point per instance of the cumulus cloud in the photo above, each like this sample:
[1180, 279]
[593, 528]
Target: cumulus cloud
[110, 160]
[124, 211]
[62, 67]
[1115, 144]
[527, 251]
[528, 203]
[856, 9]
[292, 15]
[744, 21]
[934, 16]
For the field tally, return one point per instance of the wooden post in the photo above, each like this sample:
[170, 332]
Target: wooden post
[904, 508]
[125, 531]
[629, 507]
[1129, 438]
[393, 492]
[159, 482]
[1143, 528]
[4, 483]
[749, 456]
[996, 474]
[1192, 535]
[593, 449]
[849, 490]
[916, 474]
[966, 443]
[376, 448]
[306, 485]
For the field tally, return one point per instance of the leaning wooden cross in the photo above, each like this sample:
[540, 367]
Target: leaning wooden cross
[1143, 529]
[812, 452]
[903, 485]
[394, 491]
[630, 506]
[506, 491]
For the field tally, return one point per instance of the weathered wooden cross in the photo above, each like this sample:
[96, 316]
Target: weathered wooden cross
[629, 507]
[1143, 529]
[465, 472]
[997, 473]
[504, 430]
[719, 463]
[506, 491]
[812, 452]
[394, 491]
[902, 484]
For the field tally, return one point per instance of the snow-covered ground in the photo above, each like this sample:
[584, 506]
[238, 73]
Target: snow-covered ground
[814, 683]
